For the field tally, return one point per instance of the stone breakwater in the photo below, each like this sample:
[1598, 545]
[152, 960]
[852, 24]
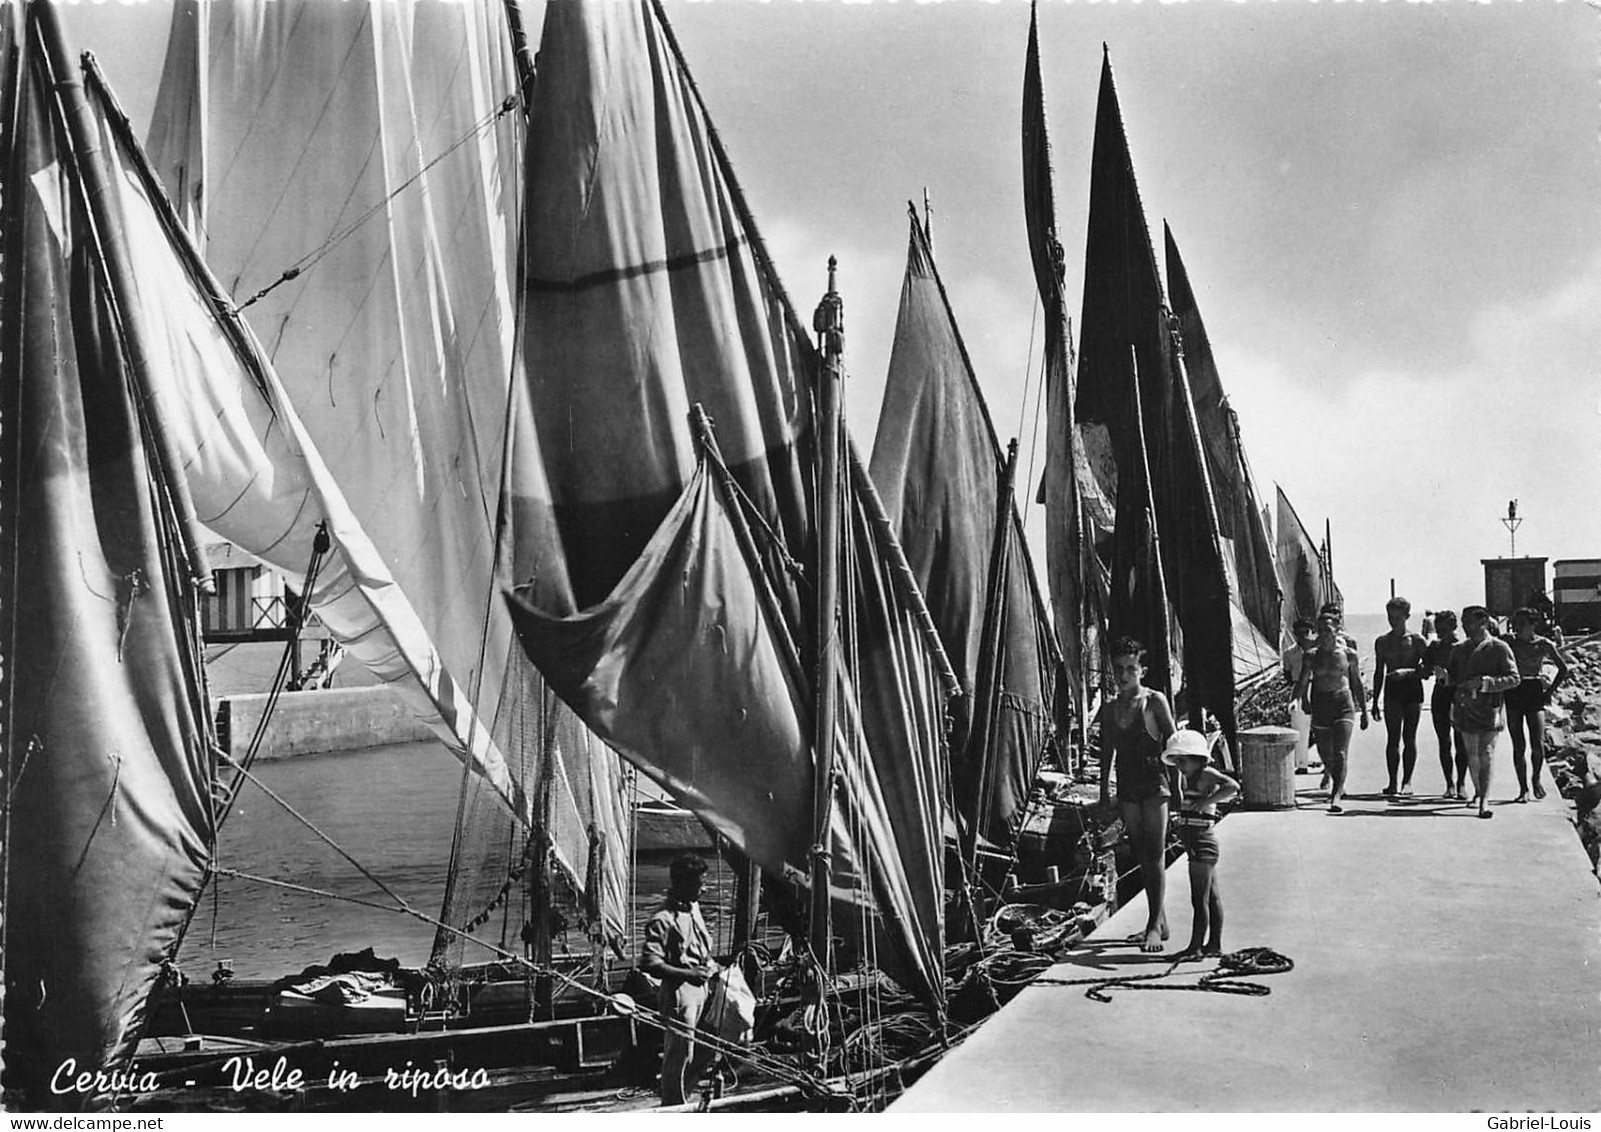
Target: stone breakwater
[1573, 740]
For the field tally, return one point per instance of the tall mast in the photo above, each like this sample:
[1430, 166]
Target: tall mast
[829, 323]
[520, 51]
[1328, 562]
[113, 245]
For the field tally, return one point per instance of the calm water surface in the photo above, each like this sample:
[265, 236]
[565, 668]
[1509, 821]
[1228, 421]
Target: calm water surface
[391, 808]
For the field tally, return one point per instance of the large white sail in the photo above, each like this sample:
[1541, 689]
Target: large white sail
[355, 170]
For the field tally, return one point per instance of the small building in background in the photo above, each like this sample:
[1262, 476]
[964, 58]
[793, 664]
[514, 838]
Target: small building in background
[251, 602]
[1512, 582]
[1577, 594]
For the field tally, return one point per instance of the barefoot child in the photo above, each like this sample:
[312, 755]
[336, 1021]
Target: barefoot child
[1200, 789]
[1134, 725]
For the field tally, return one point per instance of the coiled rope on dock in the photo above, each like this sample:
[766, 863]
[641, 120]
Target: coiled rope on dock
[1225, 978]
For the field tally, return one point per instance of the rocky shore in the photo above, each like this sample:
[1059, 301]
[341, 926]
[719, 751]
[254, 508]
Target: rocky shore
[1573, 740]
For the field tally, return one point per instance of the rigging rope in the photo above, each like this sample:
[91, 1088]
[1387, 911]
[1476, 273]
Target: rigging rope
[313, 257]
[1022, 408]
[330, 842]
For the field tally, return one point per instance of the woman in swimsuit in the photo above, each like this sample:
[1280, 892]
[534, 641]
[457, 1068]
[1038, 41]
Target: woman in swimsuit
[1525, 704]
[1398, 679]
[1330, 690]
[1134, 726]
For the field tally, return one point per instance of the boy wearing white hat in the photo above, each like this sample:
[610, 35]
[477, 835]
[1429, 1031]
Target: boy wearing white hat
[1201, 789]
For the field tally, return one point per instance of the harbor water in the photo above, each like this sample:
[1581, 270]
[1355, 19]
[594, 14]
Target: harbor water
[392, 809]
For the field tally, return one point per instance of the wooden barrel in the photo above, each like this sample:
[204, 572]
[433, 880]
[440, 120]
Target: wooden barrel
[1267, 767]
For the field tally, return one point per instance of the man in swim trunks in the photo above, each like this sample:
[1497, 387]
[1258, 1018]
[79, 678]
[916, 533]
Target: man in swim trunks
[1398, 678]
[1483, 670]
[1525, 704]
[1135, 724]
[1331, 691]
[1437, 659]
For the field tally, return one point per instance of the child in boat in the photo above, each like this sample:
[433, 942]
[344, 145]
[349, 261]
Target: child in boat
[1134, 725]
[1200, 788]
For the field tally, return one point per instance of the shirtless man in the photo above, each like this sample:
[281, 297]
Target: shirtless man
[1525, 704]
[1330, 691]
[1398, 678]
[1135, 726]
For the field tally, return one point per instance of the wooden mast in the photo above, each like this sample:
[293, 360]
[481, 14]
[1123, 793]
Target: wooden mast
[829, 323]
[113, 244]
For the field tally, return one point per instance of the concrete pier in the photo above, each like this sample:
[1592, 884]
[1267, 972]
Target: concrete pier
[332, 719]
[1442, 964]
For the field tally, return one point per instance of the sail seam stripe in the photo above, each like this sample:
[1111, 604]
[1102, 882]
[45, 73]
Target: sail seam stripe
[634, 271]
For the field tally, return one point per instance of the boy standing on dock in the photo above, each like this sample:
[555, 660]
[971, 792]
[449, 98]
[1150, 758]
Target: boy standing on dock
[1482, 670]
[1134, 726]
[1200, 789]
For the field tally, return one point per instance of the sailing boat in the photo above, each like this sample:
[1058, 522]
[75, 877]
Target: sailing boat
[1135, 417]
[947, 486]
[371, 245]
[103, 284]
[647, 292]
[1247, 551]
[568, 521]
[109, 767]
[1304, 572]
[1078, 516]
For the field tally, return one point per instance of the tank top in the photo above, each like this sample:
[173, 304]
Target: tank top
[1140, 770]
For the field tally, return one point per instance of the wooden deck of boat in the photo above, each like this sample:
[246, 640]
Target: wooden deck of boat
[1442, 964]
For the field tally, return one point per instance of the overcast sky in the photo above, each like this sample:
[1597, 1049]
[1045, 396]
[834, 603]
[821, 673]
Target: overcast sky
[1388, 211]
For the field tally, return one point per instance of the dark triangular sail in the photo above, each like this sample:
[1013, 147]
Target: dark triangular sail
[1126, 324]
[939, 469]
[1077, 513]
[647, 292]
[1303, 573]
[1248, 550]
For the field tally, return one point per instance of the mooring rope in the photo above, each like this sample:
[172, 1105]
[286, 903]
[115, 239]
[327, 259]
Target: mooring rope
[1224, 979]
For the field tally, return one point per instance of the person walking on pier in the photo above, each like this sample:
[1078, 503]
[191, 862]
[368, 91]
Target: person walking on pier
[1438, 660]
[1482, 669]
[1334, 610]
[1398, 678]
[1525, 704]
[1201, 788]
[1331, 691]
[1135, 724]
